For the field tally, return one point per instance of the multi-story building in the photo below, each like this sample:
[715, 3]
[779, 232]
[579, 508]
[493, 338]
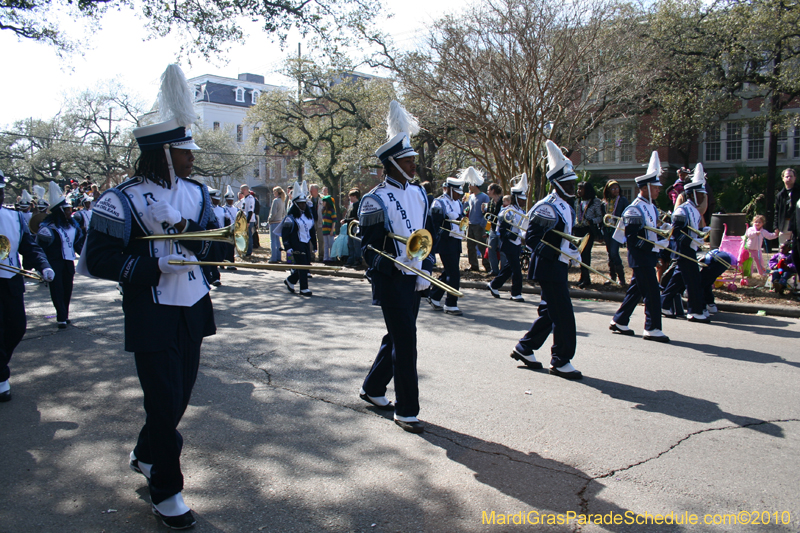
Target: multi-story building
[223, 103]
[620, 150]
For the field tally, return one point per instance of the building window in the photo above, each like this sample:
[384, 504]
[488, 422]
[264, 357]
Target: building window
[796, 149]
[593, 147]
[239, 133]
[255, 95]
[256, 172]
[216, 126]
[755, 140]
[239, 94]
[713, 144]
[609, 146]
[733, 141]
[626, 144]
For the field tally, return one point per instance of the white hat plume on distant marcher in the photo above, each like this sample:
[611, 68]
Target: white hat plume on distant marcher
[400, 127]
[38, 192]
[653, 172]
[559, 167]
[26, 199]
[698, 183]
[471, 176]
[229, 193]
[300, 191]
[519, 187]
[55, 197]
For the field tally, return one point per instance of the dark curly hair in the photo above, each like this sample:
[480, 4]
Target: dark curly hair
[152, 165]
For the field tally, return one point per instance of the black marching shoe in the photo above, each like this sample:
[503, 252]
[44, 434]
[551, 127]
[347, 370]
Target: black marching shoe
[415, 427]
[184, 521]
[529, 361]
[289, 285]
[567, 372]
[372, 401]
[5, 396]
[617, 329]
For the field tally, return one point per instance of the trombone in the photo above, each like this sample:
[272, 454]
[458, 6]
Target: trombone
[235, 234]
[463, 224]
[5, 250]
[418, 246]
[258, 266]
[578, 242]
[611, 221]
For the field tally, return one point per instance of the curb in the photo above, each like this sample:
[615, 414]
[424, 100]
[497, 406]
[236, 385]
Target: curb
[750, 309]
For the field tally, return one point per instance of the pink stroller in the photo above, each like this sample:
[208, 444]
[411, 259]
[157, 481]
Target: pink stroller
[731, 244]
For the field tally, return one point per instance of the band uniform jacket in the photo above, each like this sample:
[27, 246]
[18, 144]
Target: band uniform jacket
[14, 227]
[114, 253]
[548, 264]
[399, 209]
[638, 214]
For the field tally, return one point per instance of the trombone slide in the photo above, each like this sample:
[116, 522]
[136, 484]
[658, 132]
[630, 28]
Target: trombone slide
[259, 266]
[26, 273]
[562, 252]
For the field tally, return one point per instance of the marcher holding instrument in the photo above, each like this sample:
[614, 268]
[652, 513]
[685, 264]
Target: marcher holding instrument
[167, 306]
[400, 207]
[15, 240]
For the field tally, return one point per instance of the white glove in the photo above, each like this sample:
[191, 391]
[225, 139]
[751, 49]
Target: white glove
[166, 268]
[48, 275]
[706, 229]
[661, 244]
[422, 283]
[575, 255]
[163, 212]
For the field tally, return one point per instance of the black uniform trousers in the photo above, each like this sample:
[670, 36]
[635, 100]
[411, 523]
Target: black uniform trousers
[644, 284]
[686, 276]
[61, 286]
[586, 254]
[397, 356]
[301, 257]
[12, 320]
[450, 254]
[708, 276]
[229, 249]
[556, 316]
[167, 378]
[511, 268]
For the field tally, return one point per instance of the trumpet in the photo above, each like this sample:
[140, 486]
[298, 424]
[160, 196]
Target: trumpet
[463, 225]
[5, 250]
[235, 234]
[258, 266]
[418, 246]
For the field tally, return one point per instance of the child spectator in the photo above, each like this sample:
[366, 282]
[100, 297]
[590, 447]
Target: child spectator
[753, 242]
[782, 267]
[506, 200]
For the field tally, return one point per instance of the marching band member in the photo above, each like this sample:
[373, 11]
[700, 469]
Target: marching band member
[84, 216]
[299, 237]
[40, 205]
[230, 216]
[685, 218]
[549, 266]
[59, 236]
[447, 211]
[511, 243]
[12, 302]
[642, 257]
[167, 306]
[715, 264]
[26, 206]
[400, 207]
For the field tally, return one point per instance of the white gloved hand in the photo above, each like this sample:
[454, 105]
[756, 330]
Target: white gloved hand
[706, 229]
[575, 255]
[422, 283]
[48, 274]
[163, 212]
[661, 244]
[166, 268]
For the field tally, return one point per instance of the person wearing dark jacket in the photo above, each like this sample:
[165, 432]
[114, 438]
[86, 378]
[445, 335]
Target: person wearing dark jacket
[60, 236]
[785, 201]
[12, 287]
[614, 204]
[353, 246]
[299, 237]
[166, 304]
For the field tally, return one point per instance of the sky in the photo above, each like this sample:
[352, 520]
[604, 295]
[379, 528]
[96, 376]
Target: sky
[36, 81]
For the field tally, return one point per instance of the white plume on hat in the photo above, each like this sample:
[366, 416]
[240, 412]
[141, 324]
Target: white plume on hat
[26, 197]
[400, 121]
[54, 196]
[653, 171]
[38, 192]
[698, 182]
[300, 191]
[229, 193]
[471, 176]
[559, 167]
[175, 99]
[520, 189]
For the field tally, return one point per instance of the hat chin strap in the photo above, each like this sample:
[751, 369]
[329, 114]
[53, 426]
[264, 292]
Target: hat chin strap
[563, 191]
[172, 177]
[406, 176]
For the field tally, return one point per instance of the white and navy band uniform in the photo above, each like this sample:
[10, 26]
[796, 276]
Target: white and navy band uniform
[549, 269]
[299, 237]
[12, 286]
[687, 272]
[642, 255]
[59, 236]
[83, 217]
[511, 246]
[400, 209]
[447, 212]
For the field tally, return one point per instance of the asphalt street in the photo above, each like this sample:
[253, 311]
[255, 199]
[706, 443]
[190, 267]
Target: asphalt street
[276, 438]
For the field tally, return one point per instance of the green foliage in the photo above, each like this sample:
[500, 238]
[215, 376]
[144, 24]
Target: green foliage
[743, 193]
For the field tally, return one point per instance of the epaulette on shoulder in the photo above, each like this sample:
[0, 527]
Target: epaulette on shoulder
[111, 214]
[372, 210]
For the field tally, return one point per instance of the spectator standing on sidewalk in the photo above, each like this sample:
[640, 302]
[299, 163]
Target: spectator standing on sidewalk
[277, 212]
